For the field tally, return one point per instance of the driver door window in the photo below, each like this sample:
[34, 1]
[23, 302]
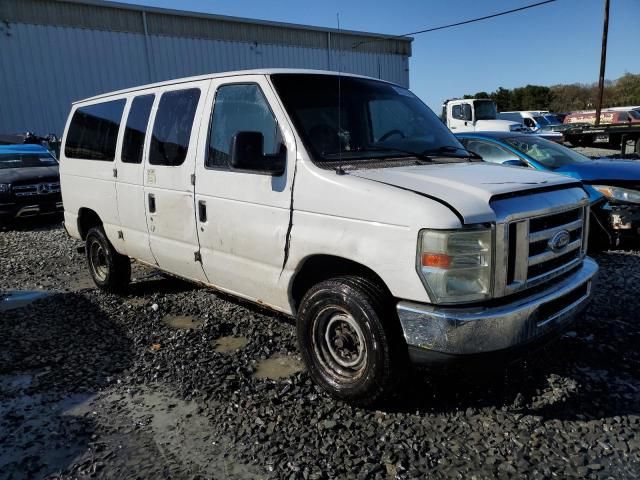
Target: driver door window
[239, 108]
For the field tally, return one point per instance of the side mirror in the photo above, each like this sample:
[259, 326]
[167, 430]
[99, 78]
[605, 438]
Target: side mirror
[247, 155]
[516, 162]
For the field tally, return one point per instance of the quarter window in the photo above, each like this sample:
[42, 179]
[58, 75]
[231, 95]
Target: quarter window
[134, 132]
[239, 108]
[93, 131]
[172, 127]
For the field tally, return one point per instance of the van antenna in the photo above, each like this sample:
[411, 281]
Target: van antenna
[339, 169]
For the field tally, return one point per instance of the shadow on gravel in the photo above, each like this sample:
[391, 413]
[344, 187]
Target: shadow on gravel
[591, 372]
[160, 283]
[54, 355]
[45, 222]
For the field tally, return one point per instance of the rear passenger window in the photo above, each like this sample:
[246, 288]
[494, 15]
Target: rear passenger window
[239, 108]
[93, 131]
[136, 127]
[172, 127]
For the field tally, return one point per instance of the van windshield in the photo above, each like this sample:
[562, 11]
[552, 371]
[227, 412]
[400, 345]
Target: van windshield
[25, 160]
[485, 110]
[349, 119]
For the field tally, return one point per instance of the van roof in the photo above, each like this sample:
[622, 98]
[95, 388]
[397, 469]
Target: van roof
[258, 71]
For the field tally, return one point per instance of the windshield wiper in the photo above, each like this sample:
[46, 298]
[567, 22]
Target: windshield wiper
[376, 148]
[451, 149]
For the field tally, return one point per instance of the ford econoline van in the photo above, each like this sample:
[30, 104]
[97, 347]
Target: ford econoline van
[338, 199]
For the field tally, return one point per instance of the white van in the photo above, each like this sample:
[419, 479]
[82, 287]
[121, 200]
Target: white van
[338, 199]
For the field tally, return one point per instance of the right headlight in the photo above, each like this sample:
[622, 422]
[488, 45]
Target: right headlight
[456, 265]
[619, 193]
[5, 187]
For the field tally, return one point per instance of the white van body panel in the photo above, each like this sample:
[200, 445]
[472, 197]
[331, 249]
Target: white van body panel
[260, 229]
[172, 227]
[242, 242]
[89, 184]
[468, 188]
[131, 203]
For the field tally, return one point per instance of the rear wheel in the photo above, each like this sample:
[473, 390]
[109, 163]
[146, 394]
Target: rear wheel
[110, 270]
[350, 339]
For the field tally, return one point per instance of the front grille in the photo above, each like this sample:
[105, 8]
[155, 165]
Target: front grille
[35, 189]
[543, 247]
[551, 309]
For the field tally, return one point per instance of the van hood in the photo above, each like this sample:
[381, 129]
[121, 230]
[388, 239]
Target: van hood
[467, 188]
[499, 126]
[614, 171]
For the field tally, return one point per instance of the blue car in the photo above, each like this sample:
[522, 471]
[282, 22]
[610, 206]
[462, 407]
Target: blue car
[613, 185]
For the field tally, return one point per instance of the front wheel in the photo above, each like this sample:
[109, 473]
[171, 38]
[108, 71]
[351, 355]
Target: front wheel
[110, 270]
[350, 339]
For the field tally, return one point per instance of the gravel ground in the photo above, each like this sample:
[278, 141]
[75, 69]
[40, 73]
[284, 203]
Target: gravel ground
[171, 381]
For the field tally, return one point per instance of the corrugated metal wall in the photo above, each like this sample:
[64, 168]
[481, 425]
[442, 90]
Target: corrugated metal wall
[44, 67]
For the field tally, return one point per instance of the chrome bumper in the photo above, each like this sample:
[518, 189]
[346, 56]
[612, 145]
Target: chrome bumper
[476, 330]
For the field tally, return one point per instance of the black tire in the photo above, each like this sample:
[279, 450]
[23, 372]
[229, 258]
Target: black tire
[350, 339]
[110, 270]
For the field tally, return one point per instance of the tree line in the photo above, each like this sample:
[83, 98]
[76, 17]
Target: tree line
[566, 98]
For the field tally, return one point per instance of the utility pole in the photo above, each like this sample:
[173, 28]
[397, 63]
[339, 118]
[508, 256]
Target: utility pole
[603, 60]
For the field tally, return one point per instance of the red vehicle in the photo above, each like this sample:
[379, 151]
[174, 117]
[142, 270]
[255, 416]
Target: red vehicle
[618, 128]
[607, 117]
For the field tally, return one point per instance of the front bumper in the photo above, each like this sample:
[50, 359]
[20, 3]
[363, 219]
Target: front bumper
[31, 209]
[433, 333]
[625, 220]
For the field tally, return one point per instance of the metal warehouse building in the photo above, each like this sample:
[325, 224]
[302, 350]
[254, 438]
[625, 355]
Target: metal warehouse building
[53, 52]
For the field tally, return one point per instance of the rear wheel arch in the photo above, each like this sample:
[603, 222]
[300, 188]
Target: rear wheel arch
[87, 219]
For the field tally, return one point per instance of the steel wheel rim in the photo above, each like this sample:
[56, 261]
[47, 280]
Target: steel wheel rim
[339, 343]
[98, 261]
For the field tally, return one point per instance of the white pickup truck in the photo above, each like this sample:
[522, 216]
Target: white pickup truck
[477, 115]
[340, 200]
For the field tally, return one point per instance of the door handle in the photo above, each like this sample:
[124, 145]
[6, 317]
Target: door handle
[152, 203]
[202, 211]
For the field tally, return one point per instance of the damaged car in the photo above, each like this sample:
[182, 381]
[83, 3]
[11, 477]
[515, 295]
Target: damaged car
[336, 199]
[29, 182]
[613, 185]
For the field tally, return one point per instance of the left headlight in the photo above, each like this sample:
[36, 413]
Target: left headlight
[5, 187]
[618, 193]
[456, 265]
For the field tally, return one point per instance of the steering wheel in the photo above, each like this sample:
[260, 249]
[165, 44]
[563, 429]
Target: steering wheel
[392, 132]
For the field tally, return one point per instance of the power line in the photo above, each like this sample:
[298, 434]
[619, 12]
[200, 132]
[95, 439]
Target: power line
[479, 19]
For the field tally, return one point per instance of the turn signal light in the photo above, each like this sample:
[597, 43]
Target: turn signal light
[436, 260]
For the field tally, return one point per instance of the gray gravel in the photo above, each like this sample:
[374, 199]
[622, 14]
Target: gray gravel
[99, 386]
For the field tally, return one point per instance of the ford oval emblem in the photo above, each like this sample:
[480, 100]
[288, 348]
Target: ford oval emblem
[559, 241]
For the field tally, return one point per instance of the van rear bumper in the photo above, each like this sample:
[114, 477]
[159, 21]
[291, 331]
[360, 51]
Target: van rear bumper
[435, 334]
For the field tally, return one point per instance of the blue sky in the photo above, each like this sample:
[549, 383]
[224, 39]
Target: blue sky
[554, 43]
